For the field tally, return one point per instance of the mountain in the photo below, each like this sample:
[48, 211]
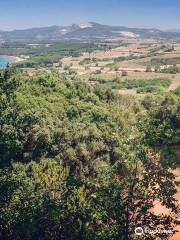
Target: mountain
[86, 31]
[174, 30]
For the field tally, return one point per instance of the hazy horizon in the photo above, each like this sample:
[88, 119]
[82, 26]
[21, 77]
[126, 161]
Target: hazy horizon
[129, 13]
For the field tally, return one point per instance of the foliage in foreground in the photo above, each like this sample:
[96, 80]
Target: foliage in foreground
[75, 160]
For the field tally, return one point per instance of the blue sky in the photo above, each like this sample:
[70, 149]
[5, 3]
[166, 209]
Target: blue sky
[19, 14]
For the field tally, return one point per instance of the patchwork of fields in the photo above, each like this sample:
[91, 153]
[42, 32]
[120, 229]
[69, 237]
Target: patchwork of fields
[132, 59]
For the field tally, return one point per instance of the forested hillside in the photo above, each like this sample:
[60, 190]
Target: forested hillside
[82, 162]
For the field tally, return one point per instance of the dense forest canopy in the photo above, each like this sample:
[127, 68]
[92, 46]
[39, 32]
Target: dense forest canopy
[45, 54]
[80, 161]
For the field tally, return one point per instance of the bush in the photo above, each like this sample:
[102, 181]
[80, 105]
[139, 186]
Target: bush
[171, 69]
[124, 74]
[148, 68]
[98, 72]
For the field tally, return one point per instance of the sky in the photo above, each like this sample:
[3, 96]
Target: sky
[22, 14]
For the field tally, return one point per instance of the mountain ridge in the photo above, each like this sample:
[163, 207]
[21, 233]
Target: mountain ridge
[85, 30]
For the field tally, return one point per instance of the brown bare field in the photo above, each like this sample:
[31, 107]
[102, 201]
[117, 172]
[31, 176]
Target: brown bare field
[177, 48]
[177, 235]
[176, 83]
[135, 48]
[138, 63]
[117, 52]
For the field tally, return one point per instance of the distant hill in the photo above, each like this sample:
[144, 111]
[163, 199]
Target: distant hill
[86, 31]
[174, 30]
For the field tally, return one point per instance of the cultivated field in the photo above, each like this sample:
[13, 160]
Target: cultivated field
[130, 58]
